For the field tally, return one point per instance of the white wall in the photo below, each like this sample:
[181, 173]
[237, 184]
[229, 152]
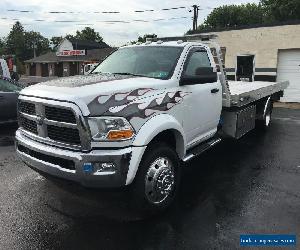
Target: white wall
[263, 42]
[65, 45]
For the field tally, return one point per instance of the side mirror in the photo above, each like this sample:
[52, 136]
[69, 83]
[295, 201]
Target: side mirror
[202, 75]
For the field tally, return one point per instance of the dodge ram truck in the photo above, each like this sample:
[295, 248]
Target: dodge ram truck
[141, 113]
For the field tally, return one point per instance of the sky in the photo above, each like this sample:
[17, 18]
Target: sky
[35, 15]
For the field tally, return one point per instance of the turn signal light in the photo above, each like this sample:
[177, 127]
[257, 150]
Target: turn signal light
[120, 134]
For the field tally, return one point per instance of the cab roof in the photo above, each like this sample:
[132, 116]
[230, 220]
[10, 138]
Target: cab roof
[167, 44]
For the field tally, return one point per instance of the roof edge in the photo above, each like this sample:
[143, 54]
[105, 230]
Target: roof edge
[244, 27]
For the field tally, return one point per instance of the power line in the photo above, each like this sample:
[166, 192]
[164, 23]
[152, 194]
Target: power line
[83, 22]
[105, 12]
[97, 12]
[195, 9]
[22, 11]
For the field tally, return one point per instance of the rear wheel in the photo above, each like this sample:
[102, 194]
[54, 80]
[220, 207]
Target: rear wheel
[157, 180]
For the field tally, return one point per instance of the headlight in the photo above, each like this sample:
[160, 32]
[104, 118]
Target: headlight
[110, 128]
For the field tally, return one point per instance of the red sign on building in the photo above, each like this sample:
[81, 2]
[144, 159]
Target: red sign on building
[71, 53]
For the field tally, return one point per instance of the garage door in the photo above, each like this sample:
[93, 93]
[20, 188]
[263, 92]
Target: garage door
[289, 69]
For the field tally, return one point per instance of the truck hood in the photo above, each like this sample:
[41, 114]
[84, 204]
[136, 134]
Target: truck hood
[96, 94]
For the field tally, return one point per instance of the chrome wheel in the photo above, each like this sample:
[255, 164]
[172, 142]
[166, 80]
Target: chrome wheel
[160, 180]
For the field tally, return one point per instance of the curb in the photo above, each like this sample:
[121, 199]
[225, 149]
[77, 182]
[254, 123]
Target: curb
[288, 105]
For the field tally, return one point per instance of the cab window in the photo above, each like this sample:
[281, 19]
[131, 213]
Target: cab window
[198, 59]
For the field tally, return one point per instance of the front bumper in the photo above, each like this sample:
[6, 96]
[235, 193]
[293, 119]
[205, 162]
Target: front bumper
[68, 164]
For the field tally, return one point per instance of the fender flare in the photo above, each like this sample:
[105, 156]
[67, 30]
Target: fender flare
[261, 108]
[158, 124]
[266, 105]
[145, 135]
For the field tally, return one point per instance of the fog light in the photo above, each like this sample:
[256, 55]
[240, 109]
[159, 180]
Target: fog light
[104, 168]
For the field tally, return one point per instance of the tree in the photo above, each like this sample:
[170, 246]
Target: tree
[233, 16]
[21, 43]
[70, 37]
[142, 39]
[32, 39]
[281, 10]
[266, 12]
[88, 34]
[2, 46]
[55, 41]
[15, 40]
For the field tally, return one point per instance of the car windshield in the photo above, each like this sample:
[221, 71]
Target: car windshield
[9, 85]
[155, 62]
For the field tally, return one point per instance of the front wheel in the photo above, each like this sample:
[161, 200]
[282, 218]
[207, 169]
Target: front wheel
[157, 179]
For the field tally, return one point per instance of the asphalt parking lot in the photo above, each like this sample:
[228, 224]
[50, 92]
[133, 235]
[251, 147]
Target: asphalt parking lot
[244, 187]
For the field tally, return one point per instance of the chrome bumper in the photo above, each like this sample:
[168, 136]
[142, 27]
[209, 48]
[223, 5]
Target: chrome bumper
[68, 164]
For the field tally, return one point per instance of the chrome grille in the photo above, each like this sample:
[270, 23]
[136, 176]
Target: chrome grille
[59, 114]
[28, 125]
[27, 108]
[55, 124]
[69, 135]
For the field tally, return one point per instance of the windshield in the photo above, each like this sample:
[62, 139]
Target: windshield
[8, 85]
[155, 62]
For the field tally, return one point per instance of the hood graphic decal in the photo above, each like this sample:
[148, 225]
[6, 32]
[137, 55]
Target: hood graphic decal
[103, 102]
[145, 109]
[126, 105]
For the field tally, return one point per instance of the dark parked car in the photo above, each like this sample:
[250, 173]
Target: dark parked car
[9, 91]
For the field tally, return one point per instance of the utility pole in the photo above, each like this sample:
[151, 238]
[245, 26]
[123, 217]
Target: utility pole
[34, 49]
[195, 18]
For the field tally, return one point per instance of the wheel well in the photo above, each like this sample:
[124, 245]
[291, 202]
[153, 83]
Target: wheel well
[173, 138]
[166, 136]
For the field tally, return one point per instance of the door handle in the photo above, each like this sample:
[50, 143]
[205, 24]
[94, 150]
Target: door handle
[214, 91]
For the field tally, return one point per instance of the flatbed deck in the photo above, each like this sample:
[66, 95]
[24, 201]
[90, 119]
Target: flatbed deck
[243, 93]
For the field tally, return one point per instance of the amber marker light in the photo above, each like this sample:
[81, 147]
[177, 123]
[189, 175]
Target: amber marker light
[120, 134]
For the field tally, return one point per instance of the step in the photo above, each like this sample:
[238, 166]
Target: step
[199, 149]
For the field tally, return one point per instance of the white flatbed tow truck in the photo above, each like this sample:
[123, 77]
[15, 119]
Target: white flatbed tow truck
[139, 114]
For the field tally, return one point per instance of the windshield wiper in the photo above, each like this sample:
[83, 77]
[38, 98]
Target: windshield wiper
[127, 74]
[121, 73]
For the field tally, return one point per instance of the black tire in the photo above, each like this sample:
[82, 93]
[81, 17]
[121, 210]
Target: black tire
[143, 185]
[265, 123]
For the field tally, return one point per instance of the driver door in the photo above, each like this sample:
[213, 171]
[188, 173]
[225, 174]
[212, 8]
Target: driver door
[204, 103]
